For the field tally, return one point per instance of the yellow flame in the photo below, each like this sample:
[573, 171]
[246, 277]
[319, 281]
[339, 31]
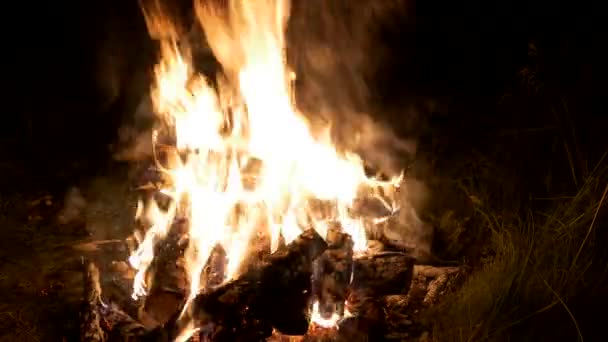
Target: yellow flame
[251, 161]
[331, 322]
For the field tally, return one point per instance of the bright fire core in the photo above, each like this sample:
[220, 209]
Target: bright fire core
[245, 161]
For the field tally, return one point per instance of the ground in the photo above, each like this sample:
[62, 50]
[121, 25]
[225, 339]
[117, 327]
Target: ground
[41, 259]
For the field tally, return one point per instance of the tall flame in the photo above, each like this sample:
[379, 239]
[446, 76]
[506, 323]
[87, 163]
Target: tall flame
[245, 160]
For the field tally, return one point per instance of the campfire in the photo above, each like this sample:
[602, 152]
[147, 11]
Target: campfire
[253, 223]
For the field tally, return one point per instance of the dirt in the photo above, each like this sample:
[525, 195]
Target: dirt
[41, 258]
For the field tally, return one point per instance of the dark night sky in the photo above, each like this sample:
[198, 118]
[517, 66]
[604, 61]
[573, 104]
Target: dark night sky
[467, 52]
[56, 53]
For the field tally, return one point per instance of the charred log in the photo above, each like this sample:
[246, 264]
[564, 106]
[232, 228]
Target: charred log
[121, 326]
[104, 322]
[374, 277]
[275, 295]
[382, 274]
[332, 273]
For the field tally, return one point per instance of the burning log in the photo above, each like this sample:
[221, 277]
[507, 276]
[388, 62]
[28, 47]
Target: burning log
[340, 275]
[332, 273]
[374, 277]
[275, 295]
[169, 279]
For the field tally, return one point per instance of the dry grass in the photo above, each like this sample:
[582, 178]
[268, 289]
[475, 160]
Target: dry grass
[546, 266]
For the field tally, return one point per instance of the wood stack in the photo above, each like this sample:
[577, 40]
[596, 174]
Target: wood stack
[272, 294]
[275, 295]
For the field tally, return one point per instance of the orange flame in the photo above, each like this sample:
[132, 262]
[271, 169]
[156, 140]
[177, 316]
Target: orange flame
[331, 322]
[249, 119]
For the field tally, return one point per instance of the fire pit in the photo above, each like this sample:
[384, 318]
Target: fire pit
[276, 301]
[252, 224]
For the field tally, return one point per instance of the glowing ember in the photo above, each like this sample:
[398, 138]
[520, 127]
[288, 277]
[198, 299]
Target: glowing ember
[245, 161]
[331, 322]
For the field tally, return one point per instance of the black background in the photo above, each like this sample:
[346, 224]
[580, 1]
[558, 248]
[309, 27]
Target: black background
[466, 55]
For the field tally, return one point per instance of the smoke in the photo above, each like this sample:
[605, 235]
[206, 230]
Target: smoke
[336, 49]
[102, 207]
[74, 206]
[135, 139]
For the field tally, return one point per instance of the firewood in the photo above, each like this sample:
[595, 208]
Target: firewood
[102, 322]
[332, 273]
[369, 275]
[435, 272]
[121, 326]
[168, 279]
[382, 274]
[90, 318]
[275, 295]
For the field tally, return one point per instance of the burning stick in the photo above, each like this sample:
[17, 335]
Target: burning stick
[277, 294]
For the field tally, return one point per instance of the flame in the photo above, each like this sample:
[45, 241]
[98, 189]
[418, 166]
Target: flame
[244, 159]
[331, 322]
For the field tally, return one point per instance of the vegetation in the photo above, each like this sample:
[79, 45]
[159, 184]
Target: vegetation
[543, 268]
[543, 263]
